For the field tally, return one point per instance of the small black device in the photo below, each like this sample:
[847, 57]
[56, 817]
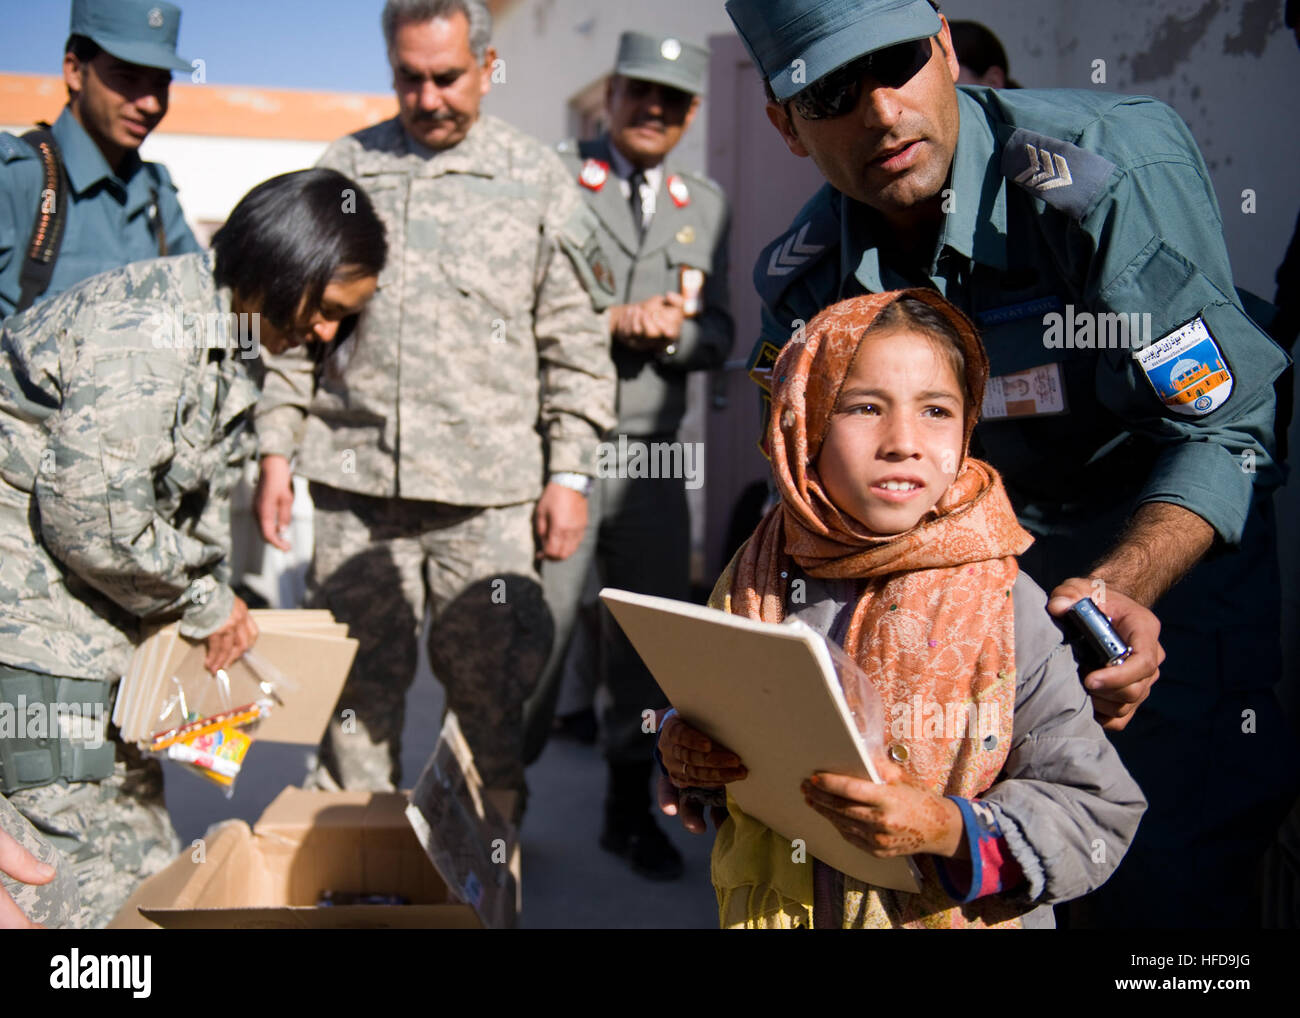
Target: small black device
[1096, 643]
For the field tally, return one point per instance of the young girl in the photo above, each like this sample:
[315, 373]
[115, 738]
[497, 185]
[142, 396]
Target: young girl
[904, 548]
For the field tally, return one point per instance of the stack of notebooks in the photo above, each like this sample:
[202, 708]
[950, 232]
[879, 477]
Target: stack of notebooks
[298, 666]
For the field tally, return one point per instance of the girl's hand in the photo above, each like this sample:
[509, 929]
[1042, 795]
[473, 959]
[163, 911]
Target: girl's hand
[694, 760]
[887, 820]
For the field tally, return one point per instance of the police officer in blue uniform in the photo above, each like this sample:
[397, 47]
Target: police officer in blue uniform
[1131, 409]
[105, 207]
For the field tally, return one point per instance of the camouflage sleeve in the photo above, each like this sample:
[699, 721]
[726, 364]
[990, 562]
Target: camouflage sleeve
[98, 514]
[340, 155]
[54, 904]
[281, 414]
[706, 340]
[578, 381]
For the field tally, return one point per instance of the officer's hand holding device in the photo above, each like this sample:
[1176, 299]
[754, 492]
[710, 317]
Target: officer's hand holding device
[1116, 690]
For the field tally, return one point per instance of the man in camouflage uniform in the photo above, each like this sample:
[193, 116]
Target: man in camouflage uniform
[665, 229]
[480, 369]
[89, 406]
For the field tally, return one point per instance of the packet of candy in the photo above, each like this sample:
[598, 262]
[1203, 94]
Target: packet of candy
[216, 755]
[213, 747]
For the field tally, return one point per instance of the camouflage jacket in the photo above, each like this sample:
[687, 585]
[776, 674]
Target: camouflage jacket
[120, 440]
[481, 362]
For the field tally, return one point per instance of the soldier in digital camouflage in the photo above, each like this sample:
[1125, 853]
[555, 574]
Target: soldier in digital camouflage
[123, 410]
[480, 371]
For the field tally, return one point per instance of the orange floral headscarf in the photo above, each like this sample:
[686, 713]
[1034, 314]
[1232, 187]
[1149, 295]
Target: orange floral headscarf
[933, 623]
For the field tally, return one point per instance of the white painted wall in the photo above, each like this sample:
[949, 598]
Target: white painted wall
[214, 173]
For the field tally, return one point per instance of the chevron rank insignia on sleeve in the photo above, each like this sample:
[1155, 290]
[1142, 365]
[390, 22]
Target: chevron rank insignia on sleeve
[1062, 175]
[792, 252]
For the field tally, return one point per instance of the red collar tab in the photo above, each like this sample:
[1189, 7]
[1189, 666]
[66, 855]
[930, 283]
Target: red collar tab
[677, 191]
[594, 174]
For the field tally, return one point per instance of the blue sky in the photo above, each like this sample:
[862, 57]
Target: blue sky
[309, 44]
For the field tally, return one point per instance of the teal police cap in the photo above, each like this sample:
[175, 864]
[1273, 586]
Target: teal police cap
[793, 43]
[665, 60]
[138, 31]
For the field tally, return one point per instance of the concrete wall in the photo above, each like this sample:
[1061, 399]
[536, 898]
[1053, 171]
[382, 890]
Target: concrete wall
[1229, 68]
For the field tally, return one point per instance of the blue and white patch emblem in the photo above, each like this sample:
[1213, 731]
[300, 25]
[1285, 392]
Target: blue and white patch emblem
[1187, 370]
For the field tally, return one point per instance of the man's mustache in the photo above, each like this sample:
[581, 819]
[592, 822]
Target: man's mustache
[434, 118]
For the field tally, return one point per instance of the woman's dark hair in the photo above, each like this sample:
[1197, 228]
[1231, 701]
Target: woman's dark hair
[291, 235]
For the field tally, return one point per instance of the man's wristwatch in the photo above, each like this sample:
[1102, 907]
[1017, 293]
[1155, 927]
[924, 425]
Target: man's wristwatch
[580, 483]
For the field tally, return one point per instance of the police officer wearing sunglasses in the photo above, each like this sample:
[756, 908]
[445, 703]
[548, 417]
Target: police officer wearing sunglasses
[1057, 220]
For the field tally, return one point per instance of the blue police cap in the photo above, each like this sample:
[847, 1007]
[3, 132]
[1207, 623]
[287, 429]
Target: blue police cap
[138, 31]
[793, 43]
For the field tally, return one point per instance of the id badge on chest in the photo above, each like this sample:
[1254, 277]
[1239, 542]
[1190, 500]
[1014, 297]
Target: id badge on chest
[1036, 392]
[1013, 335]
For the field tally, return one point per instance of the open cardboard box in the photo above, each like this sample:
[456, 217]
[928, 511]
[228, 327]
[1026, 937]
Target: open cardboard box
[447, 850]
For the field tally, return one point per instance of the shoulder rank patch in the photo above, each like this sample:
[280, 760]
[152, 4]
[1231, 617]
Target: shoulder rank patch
[1187, 369]
[677, 191]
[793, 251]
[1063, 175]
[12, 148]
[594, 174]
[814, 231]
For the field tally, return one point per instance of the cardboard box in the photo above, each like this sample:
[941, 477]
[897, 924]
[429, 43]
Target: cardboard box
[445, 848]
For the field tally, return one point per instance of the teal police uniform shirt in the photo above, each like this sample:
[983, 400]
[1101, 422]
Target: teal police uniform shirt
[1069, 203]
[111, 220]
[688, 230]
[1062, 203]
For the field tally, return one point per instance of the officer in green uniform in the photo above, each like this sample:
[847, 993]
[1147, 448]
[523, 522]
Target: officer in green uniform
[665, 231]
[116, 208]
[1131, 408]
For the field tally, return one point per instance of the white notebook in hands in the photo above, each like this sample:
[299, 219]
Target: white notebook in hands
[770, 694]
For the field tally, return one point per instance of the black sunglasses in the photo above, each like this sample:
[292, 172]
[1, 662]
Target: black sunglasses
[837, 93]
